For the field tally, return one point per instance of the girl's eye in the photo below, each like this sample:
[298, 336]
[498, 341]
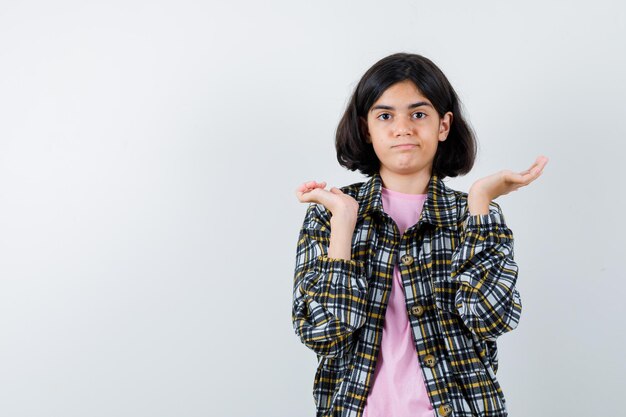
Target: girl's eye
[387, 114]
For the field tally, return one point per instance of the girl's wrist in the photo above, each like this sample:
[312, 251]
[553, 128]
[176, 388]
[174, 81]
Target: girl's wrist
[478, 202]
[343, 220]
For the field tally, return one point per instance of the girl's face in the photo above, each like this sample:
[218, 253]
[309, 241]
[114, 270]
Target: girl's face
[405, 129]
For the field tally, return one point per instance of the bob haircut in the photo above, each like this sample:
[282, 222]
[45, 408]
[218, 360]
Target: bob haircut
[454, 156]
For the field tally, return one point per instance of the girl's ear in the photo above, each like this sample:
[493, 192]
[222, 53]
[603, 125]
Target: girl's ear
[444, 125]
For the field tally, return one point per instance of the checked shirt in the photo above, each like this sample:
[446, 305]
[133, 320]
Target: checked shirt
[458, 277]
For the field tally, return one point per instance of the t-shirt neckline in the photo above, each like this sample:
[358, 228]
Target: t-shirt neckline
[393, 193]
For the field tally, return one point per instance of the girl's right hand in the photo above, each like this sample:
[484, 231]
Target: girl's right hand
[334, 200]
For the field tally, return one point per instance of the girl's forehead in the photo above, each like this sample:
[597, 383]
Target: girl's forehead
[405, 90]
[401, 101]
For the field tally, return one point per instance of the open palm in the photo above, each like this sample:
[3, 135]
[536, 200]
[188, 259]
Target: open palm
[505, 181]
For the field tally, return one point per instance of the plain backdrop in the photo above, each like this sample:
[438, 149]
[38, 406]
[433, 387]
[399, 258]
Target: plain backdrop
[149, 156]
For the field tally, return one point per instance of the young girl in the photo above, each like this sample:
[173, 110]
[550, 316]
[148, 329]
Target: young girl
[402, 284]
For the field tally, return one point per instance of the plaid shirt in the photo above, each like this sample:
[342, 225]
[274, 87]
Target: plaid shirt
[458, 276]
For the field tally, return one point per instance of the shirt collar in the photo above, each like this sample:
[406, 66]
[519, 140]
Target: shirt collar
[440, 207]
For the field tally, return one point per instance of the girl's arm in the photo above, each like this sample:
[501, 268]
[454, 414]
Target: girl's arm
[329, 294]
[483, 265]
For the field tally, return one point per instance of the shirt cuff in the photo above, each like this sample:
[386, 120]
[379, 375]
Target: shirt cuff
[327, 264]
[491, 225]
[491, 219]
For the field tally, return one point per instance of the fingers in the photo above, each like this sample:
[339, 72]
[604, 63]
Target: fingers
[539, 164]
[543, 160]
[310, 185]
[533, 167]
[534, 171]
[306, 187]
[531, 174]
[314, 184]
[535, 164]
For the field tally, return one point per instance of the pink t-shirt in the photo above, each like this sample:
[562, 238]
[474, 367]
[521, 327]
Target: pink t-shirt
[398, 387]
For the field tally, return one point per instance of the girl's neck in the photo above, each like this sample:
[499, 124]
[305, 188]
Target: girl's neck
[415, 183]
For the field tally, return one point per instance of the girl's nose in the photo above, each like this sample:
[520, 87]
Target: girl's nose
[402, 128]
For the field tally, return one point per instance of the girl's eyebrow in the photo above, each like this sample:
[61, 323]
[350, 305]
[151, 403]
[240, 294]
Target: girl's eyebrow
[409, 107]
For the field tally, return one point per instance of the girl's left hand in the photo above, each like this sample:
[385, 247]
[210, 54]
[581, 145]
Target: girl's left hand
[505, 181]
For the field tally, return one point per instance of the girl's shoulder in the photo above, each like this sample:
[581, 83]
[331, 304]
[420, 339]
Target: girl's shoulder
[352, 189]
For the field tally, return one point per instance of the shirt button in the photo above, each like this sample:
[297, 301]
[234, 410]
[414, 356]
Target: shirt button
[445, 409]
[417, 310]
[429, 360]
[407, 259]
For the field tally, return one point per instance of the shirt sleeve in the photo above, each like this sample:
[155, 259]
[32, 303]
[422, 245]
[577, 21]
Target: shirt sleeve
[487, 300]
[329, 294]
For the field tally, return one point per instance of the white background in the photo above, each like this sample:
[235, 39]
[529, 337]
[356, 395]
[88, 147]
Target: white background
[149, 153]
